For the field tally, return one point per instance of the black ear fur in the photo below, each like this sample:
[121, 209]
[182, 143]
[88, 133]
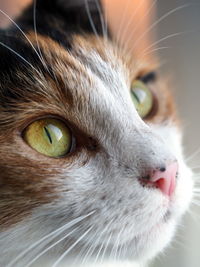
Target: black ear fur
[58, 19]
[70, 16]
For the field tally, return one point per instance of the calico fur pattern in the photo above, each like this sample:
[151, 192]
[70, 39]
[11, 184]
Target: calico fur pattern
[85, 81]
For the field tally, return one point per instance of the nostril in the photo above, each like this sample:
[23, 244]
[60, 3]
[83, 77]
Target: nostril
[162, 169]
[163, 179]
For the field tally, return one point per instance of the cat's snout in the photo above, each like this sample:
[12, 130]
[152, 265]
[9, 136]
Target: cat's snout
[163, 178]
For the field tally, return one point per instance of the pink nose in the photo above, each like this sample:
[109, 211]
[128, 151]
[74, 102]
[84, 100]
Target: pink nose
[165, 180]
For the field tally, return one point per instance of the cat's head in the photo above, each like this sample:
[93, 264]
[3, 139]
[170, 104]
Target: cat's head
[91, 163]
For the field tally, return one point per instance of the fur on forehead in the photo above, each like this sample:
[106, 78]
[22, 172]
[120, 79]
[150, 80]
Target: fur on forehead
[60, 75]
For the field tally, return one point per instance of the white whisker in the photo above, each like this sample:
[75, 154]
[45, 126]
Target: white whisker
[36, 36]
[155, 50]
[163, 39]
[52, 235]
[106, 247]
[94, 245]
[90, 19]
[158, 21]
[88, 243]
[105, 15]
[193, 155]
[141, 21]
[50, 247]
[101, 247]
[103, 23]
[194, 215]
[122, 20]
[116, 245]
[17, 54]
[89, 251]
[17, 26]
[71, 247]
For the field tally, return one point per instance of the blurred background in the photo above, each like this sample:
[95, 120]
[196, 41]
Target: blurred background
[180, 58]
[182, 61]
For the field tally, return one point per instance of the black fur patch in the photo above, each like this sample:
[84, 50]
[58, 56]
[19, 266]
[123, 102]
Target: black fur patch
[56, 18]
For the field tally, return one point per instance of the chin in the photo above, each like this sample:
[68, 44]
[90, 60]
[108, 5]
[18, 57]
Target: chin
[149, 244]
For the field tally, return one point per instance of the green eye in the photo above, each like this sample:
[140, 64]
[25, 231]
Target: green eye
[142, 98]
[49, 136]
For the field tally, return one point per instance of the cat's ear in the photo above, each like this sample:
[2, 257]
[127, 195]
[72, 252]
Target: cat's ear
[70, 15]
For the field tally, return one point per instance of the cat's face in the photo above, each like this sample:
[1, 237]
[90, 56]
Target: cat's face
[97, 188]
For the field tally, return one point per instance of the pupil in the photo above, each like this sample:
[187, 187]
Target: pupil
[48, 134]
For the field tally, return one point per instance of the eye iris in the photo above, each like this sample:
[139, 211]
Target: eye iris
[142, 98]
[50, 137]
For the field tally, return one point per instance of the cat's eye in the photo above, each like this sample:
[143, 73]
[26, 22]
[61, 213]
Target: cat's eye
[142, 98]
[49, 136]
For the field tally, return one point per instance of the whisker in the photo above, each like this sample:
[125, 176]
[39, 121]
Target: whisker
[103, 24]
[123, 250]
[71, 247]
[23, 33]
[101, 247]
[17, 54]
[196, 202]
[119, 247]
[193, 155]
[90, 19]
[180, 244]
[158, 21]
[120, 252]
[163, 39]
[105, 15]
[145, 15]
[194, 215]
[122, 20]
[88, 242]
[37, 42]
[51, 246]
[98, 253]
[52, 234]
[106, 247]
[116, 245]
[93, 246]
[36, 36]
[89, 251]
[154, 50]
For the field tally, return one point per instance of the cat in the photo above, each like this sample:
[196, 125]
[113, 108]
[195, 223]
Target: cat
[91, 162]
